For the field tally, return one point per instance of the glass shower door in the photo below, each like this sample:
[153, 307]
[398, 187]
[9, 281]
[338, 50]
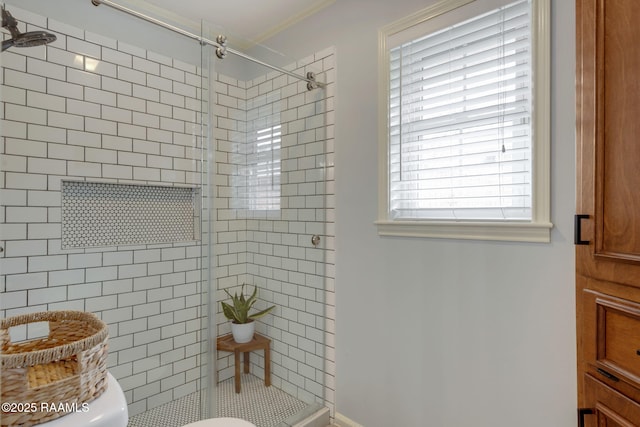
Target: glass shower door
[274, 230]
[208, 391]
[103, 206]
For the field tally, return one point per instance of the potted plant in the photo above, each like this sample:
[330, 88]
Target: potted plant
[242, 323]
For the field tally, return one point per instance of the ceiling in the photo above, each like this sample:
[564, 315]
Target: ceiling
[248, 21]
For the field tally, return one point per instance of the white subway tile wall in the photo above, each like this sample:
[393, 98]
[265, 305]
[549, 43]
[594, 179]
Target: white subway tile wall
[91, 108]
[86, 109]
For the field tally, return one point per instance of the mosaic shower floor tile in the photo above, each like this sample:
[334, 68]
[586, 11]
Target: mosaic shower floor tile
[263, 406]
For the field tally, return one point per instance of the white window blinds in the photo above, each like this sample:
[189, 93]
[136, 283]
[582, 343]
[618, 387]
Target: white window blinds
[460, 120]
[263, 169]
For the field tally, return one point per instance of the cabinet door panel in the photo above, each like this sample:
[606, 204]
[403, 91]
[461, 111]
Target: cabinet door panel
[608, 107]
[611, 409]
[618, 129]
[612, 335]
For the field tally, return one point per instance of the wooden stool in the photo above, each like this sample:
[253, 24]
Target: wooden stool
[226, 343]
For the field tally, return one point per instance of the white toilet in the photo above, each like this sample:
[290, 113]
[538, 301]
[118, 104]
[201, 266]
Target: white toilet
[221, 422]
[108, 410]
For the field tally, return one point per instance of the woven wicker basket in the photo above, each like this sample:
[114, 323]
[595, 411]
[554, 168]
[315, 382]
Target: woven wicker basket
[46, 378]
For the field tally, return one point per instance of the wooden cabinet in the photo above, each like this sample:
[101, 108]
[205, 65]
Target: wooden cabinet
[608, 195]
[611, 340]
[607, 407]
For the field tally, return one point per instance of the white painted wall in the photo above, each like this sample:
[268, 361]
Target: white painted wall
[443, 333]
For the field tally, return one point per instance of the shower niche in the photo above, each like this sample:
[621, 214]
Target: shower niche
[108, 214]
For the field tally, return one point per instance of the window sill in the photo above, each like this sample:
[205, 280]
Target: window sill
[500, 231]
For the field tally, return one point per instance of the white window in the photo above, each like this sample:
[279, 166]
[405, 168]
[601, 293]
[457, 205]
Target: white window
[465, 141]
[257, 181]
[263, 169]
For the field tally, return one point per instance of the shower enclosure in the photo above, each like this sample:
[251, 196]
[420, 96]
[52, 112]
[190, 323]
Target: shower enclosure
[141, 175]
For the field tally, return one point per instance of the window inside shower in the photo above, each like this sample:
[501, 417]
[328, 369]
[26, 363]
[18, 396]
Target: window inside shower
[262, 170]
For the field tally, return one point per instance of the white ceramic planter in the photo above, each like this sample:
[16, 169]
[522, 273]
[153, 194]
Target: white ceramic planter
[243, 332]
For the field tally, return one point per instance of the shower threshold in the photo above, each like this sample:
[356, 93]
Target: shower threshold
[263, 406]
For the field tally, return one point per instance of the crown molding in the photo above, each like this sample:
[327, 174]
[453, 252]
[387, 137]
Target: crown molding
[145, 7]
[289, 22]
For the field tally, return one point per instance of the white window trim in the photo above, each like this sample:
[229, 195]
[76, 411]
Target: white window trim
[536, 230]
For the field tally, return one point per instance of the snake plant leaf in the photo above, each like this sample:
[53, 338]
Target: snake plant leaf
[231, 296]
[238, 310]
[253, 298]
[229, 312]
[241, 299]
[241, 311]
[261, 313]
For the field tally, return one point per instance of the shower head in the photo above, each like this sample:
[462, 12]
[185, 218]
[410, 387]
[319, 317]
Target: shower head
[29, 39]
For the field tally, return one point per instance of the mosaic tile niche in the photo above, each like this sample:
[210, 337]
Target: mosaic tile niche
[103, 214]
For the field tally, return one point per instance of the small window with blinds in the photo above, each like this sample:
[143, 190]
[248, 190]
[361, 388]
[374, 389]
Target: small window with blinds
[462, 142]
[264, 165]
